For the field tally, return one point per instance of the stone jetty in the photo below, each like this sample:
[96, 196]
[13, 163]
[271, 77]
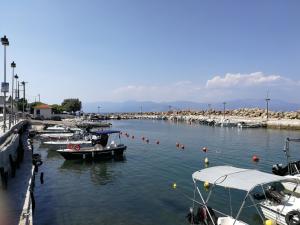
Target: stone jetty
[282, 120]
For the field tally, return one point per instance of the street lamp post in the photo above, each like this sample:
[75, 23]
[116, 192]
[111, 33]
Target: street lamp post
[13, 66]
[23, 83]
[17, 95]
[209, 110]
[224, 104]
[267, 100]
[4, 87]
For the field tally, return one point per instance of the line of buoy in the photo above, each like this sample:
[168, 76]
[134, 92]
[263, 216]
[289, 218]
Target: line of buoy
[206, 160]
[255, 158]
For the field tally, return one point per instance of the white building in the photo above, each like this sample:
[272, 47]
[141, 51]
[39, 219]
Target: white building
[42, 111]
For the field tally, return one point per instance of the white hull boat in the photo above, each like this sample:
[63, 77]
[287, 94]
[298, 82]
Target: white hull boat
[282, 213]
[291, 170]
[58, 136]
[281, 208]
[82, 143]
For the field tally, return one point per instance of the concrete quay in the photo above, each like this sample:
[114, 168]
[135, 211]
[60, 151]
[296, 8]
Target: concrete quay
[17, 176]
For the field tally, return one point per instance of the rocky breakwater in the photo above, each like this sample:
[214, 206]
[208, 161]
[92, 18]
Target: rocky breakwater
[284, 120]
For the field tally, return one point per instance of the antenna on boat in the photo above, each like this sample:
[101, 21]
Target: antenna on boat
[267, 101]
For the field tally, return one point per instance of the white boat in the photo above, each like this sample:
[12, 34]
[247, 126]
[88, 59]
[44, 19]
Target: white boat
[246, 180]
[57, 128]
[225, 123]
[57, 135]
[249, 125]
[292, 169]
[60, 143]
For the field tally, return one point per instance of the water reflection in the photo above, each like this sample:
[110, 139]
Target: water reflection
[101, 172]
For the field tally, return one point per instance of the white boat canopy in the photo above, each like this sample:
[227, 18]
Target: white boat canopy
[237, 178]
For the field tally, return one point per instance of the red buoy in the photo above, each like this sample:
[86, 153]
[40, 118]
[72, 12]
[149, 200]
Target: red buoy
[255, 158]
[204, 149]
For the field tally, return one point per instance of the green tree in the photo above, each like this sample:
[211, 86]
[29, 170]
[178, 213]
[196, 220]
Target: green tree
[20, 103]
[57, 109]
[71, 105]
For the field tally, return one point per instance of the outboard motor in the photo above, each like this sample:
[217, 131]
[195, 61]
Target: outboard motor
[279, 170]
[273, 195]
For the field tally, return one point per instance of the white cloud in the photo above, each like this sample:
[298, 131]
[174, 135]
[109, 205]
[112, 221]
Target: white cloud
[233, 80]
[219, 88]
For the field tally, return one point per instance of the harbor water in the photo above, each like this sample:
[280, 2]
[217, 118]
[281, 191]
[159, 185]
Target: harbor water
[138, 190]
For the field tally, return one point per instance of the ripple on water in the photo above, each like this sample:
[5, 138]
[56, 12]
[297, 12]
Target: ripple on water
[139, 189]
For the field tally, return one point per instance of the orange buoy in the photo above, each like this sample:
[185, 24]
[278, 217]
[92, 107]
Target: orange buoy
[177, 144]
[204, 149]
[255, 158]
[157, 142]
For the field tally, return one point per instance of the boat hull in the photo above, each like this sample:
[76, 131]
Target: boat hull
[273, 215]
[92, 154]
[61, 144]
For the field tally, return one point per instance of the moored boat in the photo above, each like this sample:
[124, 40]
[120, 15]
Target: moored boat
[280, 208]
[100, 149]
[291, 169]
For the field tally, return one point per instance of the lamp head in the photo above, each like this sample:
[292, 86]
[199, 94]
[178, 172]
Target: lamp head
[13, 64]
[4, 41]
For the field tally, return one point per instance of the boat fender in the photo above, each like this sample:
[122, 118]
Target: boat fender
[203, 216]
[36, 160]
[191, 217]
[77, 147]
[290, 218]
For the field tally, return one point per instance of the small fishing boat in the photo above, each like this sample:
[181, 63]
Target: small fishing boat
[63, 143]
[91, 124]
[225, 123]
[291, 169]
[245, 180]
[57, 136]
[57, 128]
[100, 149]
[249, 125]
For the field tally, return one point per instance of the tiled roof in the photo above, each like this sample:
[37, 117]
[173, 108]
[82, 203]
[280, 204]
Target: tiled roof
[43, 106]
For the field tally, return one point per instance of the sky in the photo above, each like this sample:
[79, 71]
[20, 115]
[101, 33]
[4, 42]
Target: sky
[154, 50]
